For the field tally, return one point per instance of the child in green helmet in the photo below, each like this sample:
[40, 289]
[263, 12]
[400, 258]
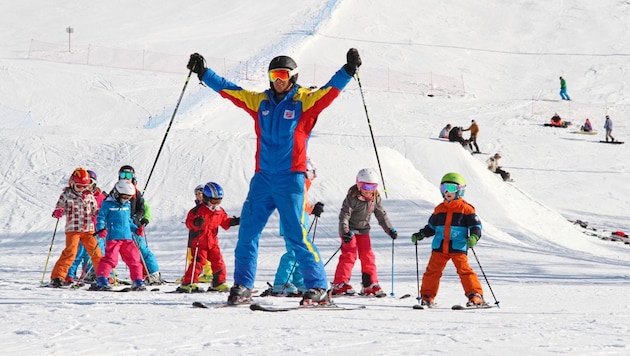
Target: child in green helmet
[456, 227]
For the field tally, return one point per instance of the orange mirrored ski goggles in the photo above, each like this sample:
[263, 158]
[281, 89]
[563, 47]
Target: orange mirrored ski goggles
[282, 74]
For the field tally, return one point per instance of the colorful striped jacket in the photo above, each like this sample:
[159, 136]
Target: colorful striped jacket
[282, 127]
[451, 223]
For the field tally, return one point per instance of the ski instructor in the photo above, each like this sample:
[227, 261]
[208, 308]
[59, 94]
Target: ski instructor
[284, 116]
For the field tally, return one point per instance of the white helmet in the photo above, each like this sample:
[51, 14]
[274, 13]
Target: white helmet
[367, 175]
[125, 187]
[310, 169]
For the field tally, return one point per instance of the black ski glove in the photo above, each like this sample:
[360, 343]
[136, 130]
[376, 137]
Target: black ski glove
[235, 221]
[197, 64]
[318, 209]
[198, 221]
[144, 222]
[353, 61]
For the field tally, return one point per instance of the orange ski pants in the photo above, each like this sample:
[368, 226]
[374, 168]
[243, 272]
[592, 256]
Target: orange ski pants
[435, 267]
[68, 254]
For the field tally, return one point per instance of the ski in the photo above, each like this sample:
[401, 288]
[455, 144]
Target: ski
[212, 305]
[473, 307]
[612, 142]
[328, 307]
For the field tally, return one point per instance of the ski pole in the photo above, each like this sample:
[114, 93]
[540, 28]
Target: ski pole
[49, 251]
[193, 265]
[331, 257]
[295, 263]
[392, 293]
[486, 278]
[378, 161]
[89, 267]
[418, 278]
[167, 130]
[144, 263]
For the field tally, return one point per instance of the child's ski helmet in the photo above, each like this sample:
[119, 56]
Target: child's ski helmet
[123, 187]
[367, 175]
[455, 178]
[80, 176]
[127, 172]
[212, 190]
[198, 189]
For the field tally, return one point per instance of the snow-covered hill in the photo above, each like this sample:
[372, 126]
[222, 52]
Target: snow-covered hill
[560, 290]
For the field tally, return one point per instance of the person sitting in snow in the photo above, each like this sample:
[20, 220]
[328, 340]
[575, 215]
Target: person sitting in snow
[445, 131]
[493, 165]
[587, 127]
[557, 121]
[455, 135]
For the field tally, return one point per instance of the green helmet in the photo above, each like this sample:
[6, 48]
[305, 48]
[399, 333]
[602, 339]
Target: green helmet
[455, 178]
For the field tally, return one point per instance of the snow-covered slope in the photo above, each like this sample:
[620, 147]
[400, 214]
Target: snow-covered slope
[559, 289]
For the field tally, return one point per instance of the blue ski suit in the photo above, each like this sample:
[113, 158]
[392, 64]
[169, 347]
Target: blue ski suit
[282, 130]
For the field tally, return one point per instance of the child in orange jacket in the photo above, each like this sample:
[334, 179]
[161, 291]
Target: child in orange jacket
[204, 221]
[456, 227]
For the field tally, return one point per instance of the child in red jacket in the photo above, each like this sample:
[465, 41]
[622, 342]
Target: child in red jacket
[204, 221]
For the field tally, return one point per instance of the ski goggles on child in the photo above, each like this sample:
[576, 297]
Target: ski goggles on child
[126, 197]
[282, 74]
[370, 187]
[81, 186]
[213, 201]
[125, 175]
[450, 187]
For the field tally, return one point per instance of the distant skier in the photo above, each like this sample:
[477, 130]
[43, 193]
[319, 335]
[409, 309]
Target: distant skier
[455, 135]
[493, 165]
[445, 131]
[563, 89]
[474, 131]
[587, 127]
[608, 125]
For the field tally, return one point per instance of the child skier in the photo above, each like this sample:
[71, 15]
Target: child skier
[361, 201]
[206, 275]
[78, 204]
[141, 215]
[114, 219]
[456, 228]
[204, 221]
[83, 256]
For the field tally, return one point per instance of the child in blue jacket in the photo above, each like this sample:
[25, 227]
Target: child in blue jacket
[114, 220]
